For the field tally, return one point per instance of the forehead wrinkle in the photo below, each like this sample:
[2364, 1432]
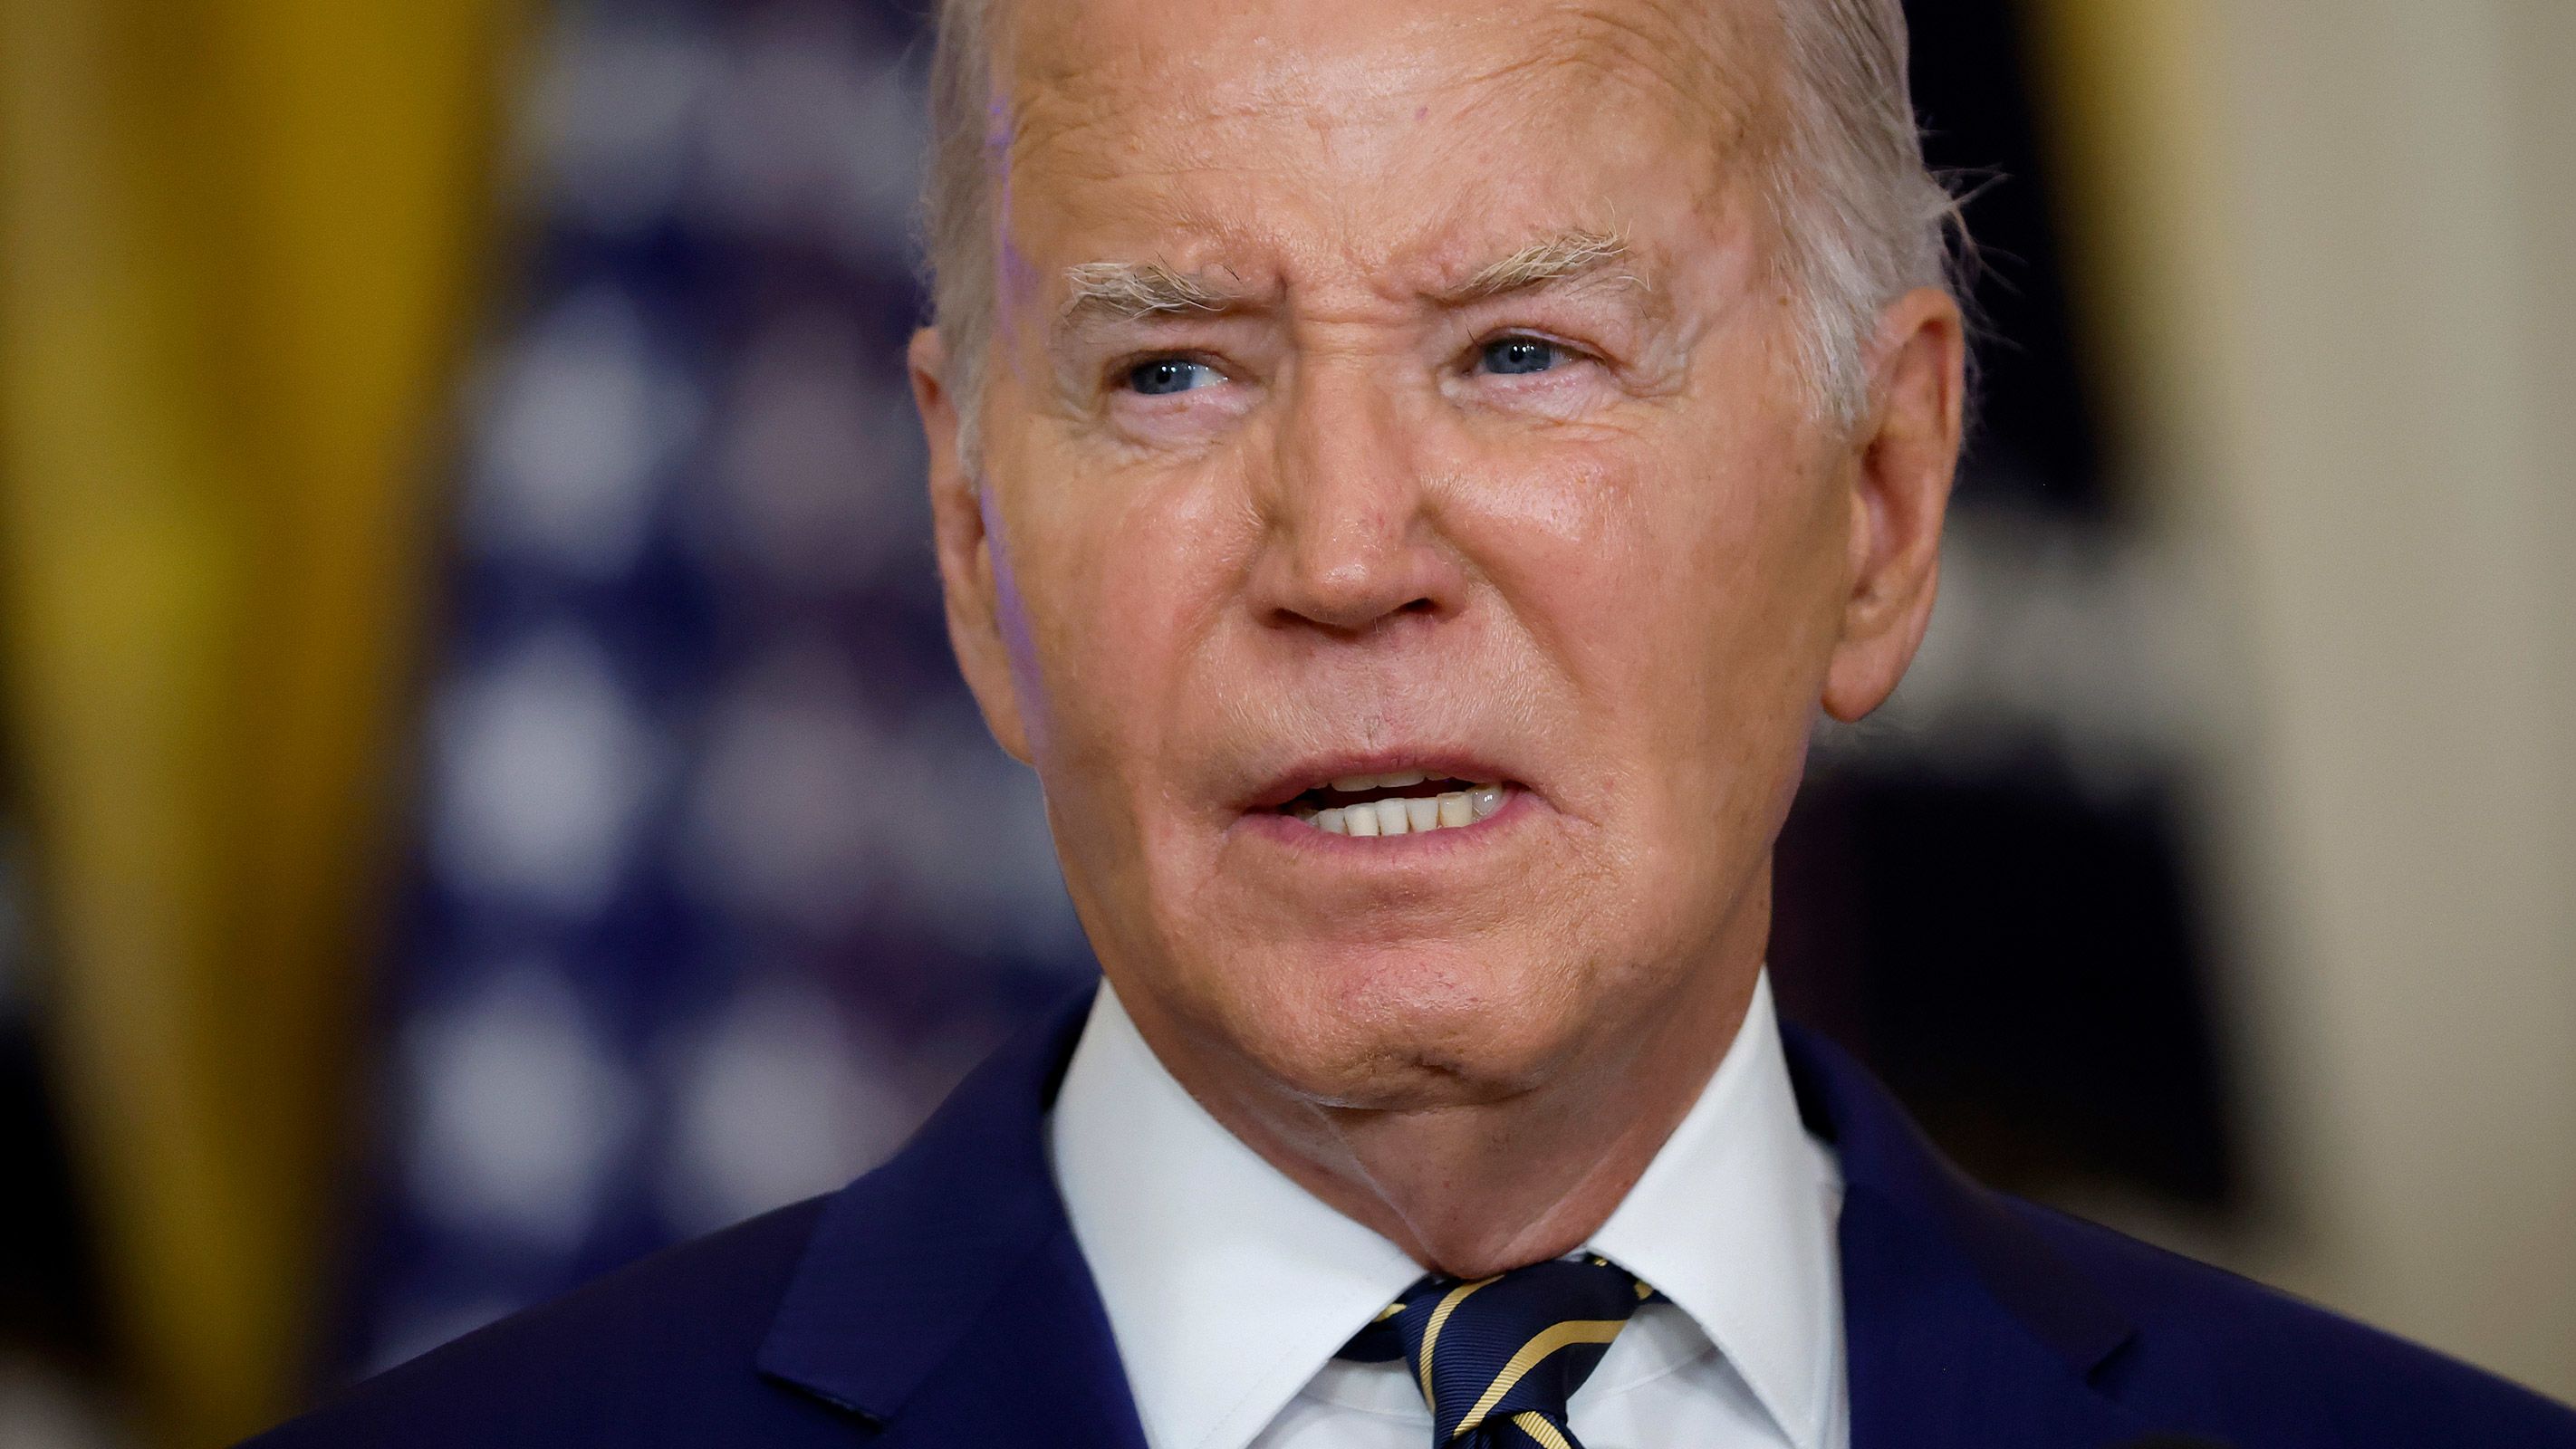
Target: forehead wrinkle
[1081, 113]
[1690, 51]
[1696, 53]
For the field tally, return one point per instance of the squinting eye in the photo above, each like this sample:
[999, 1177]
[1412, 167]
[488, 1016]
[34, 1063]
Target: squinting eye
[1511, 356]
[1167, 375]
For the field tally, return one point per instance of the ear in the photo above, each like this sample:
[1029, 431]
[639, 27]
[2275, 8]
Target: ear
[1909, 453]
[968, 577]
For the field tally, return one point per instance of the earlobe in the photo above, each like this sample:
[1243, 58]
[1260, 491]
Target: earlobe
[969, 581]
[1906, 460]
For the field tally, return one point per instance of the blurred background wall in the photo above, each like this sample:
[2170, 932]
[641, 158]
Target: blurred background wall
[486, 794]
[2329, 250]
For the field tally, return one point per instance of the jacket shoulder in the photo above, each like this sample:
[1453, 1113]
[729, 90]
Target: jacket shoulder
[2274, 1369]
[658, 1352]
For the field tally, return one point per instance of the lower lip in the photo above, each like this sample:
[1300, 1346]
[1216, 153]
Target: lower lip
[1290, 830]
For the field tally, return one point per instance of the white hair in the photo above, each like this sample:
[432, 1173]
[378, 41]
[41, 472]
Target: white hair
[1861, 220]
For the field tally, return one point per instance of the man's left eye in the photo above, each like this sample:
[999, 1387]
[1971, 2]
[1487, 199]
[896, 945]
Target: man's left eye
[1513, 356]
[1165, 376]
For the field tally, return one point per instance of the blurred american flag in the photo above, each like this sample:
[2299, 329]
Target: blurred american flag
[721, 882]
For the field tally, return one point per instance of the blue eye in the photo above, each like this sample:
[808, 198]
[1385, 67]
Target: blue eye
[1514, 356]
[1165, 376]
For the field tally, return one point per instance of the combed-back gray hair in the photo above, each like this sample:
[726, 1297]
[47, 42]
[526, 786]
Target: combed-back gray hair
[1862, 220]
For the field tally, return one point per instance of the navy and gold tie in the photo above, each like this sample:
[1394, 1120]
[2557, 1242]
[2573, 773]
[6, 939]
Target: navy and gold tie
[1496, 1358]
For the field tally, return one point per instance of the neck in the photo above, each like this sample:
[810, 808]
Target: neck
[1476, 1189]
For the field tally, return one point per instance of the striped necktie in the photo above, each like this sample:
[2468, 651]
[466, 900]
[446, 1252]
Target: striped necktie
[1498, 1357]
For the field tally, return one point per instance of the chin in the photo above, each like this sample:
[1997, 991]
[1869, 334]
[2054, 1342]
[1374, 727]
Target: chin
[1413, 1026]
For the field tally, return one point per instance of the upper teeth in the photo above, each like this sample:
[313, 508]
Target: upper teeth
[1354, 784]
[1406, 817]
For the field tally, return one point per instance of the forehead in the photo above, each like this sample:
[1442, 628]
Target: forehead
[1382, 122]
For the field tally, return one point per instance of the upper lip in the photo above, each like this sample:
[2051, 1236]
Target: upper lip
[1317, 771]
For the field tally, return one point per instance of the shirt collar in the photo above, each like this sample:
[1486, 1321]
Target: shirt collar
[1227, 1284]
[1733, 1220]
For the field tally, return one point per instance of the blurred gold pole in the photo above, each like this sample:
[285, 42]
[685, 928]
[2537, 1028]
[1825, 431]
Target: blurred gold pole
[237, 241]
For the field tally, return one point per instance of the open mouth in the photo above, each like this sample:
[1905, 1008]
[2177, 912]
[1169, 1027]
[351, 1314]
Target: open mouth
[1406, 802]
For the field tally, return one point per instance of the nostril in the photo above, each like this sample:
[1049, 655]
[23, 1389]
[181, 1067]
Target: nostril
[1420, 606]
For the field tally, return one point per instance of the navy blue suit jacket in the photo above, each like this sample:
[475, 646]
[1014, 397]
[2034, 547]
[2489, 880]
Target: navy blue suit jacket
[941, 1300]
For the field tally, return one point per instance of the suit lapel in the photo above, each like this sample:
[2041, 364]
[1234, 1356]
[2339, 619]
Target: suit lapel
[943, 1299]
[1963, 1326]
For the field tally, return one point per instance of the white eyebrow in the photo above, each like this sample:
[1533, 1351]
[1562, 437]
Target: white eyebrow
[1559, 258]
[1133, 291]
[1128, 291]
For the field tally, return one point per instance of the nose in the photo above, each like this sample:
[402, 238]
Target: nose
[1350, 539]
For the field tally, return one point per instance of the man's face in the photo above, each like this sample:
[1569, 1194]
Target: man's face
[1398, 390]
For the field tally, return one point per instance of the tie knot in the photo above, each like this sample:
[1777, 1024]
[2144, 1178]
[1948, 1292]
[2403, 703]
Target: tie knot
[1497, 1358]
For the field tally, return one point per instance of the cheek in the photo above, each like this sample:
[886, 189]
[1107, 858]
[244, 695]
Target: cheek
[1679, 584]
[1012, 608]
[1637, 554]
[1123, 575]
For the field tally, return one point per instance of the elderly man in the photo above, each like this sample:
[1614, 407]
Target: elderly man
[1409, 474]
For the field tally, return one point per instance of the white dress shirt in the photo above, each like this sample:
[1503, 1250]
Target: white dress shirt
[1229, 1287]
